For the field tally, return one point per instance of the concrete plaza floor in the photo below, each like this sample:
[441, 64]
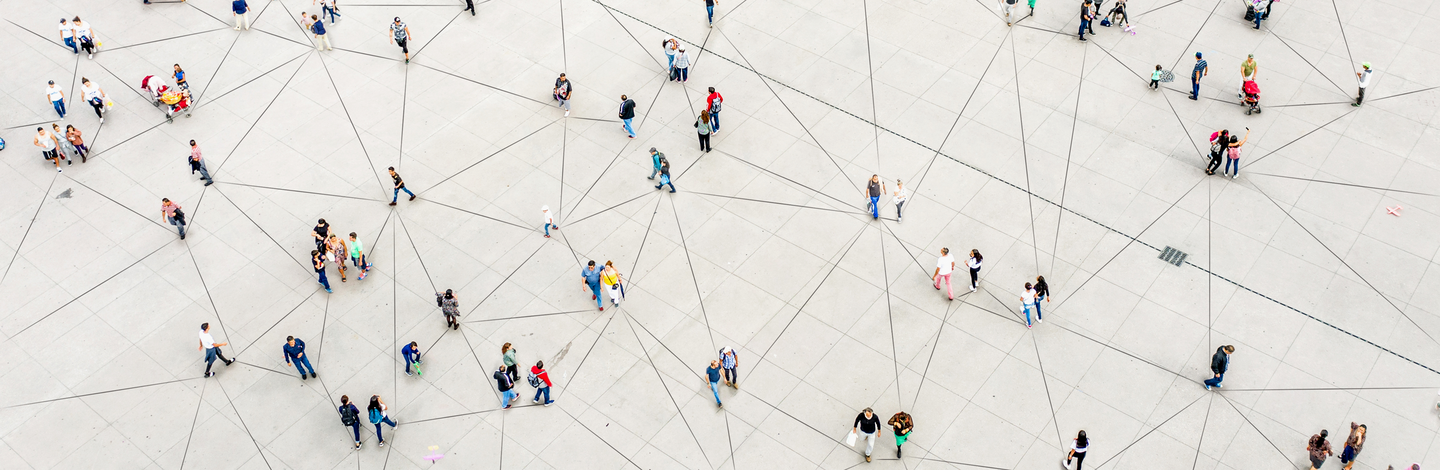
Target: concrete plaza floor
[1047, 154]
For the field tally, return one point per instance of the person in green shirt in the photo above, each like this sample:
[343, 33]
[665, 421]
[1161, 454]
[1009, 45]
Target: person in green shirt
[1155, 78]
[509, 358]
[1247, 73]
[357, 256]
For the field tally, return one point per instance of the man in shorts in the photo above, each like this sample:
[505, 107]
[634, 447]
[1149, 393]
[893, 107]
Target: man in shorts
[400, 34]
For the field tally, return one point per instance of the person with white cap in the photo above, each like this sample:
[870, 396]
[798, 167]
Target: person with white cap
[1364, 76]
[549, 220]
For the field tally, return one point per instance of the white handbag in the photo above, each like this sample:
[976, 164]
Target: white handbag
[850, 439]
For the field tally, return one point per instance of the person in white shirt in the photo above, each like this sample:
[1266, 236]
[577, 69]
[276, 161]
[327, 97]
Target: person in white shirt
[49, 146]
[943, 267]
[549, 220]
[95, 96]
[682, 65]
[1027, 300]
[327, 7]
[1077, 450]
[212, 349]
[1364, 76]
[57, 98]
[85, 36]
[900, 196]
[67, 34]
[974, 264]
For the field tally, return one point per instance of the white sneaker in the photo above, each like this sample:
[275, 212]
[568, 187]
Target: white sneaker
[58, 170]
[567, 113]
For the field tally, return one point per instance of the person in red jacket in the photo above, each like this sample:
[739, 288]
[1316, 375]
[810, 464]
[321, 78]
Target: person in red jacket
[712, 106]
[541, 379]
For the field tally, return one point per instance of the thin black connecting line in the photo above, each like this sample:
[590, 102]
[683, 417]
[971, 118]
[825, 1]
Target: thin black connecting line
[817, 192]
[433, 38]
[404, 106]
[998, 47]
[43, 196]
[931, 359]
[208, 102]
[1137, 17]
[487, 157]
[521, 317]
[87, 291]
[277, 322]
[307, 268]
[874, 112]
[1340, 183]
[163, 39]
[1283, 456]
[316, 193]
[1312, 64]
[1297, 139]
[853, 239]
[1069, 152]
[1152, 430]
[1025, 154]
[199, 402]
[246, 427]
[227, 52]
[262, 112]
[579, 367]
[680, 229]
[1035, 341]
[477, 214]
[373, 169]
[827, 209]
[1203, 427]
[669, 395]
[890, 315]
[103, 392]
[643, 119]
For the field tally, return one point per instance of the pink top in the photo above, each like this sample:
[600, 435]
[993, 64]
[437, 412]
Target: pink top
[195, 153]
[169, 208]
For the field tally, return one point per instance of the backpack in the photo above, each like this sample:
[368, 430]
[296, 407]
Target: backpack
[534, 380]
[349, 415]
[715, 105]
[375, 416]
[2, 144]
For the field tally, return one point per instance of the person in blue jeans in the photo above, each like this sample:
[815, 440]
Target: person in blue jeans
[57, 98]
[399, 186]
[627, 113]
[591, 277]
[318, 261]
[1087, 14]
[348, 412]
[873, 190]
[506, 386]
[378, 416]
[538, 370]
[710, 12]
[67, 34]
[294, 350]
[412, 356]
[712, 375]
[1202, 69]
[655, 157]
[1219, 363]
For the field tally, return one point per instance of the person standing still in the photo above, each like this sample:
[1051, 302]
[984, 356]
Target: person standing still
[1247, 73]
[671, 46]
[1202, 69]
[873, 189]
[1086, 15]
[241, 9]
[411, 353]
[590, 276]
[294, 350]
[1027, 302]
[49, 146]
[1219, 363]
[730, 364]
[665, 175]
[869, 425]
[712, 376]
[549, 220]
[322, 40]
[614, 284]
[172, 214]
[655, 157]
[378, 416]
[179, 76]
[710, 11]
[627, 112]
[943, 267]
[506, 386]
[357, 256]
[901, 424]
[562, 92]
[67, 34]
[400, 35]
[974, 264]
[198, 164]
[507, 355]
[713, 103]
[399, 186]
[1233, 154]
[1363, 75]
[212, 350]
[1077, 450]
[350, 416]
[702, 128]
[336, 251]
[317, 260]
[543, 377]
[1353, 444]
[1319, 449]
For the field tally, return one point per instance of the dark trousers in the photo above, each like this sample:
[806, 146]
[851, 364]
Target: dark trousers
[410, 359]
[1079, 460]
[1360, 98]
[514, 373]
[1084, 25]
[732, 375]
[1213, 381]
[356, 427]
[210, 356]
[974, 277]
[1155, 84]
[1214, 163]
[1194, 88]
[99, 106]
[705, 142]
[323, 281]
[88, 46]
[303, 361]
[470, 6]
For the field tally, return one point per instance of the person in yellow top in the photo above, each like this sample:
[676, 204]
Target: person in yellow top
[613, 283]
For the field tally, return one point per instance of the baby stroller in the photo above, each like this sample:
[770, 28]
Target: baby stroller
[153, 86]
[1252, 97]
[178, 102]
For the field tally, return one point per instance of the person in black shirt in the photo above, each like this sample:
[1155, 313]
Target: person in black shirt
[873, 190]
[1219, 363]
[869, 425]
[399, 186]
[1042, 291]
[1085, 17]
[321, 232]
[506, 386]
[627, 112]
[562, 92]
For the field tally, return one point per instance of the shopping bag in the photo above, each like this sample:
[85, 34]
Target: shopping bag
[850, 439]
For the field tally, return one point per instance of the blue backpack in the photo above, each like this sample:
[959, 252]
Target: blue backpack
[375, 416]
[2, 144]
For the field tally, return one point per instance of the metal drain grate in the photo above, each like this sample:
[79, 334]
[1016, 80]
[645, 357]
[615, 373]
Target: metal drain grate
[1173, 256]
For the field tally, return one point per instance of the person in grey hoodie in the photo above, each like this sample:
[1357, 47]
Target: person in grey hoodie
[682, 65]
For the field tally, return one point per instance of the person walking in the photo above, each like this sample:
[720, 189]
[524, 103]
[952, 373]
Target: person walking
[320, 233]
[563, 89]
[350, 416]
[67, 34]
[665, 174]
[974, 264]
[1363, 75]
[294, 350]
[873, 189]
[655, 157]
[327, 7]
[901, 424]
[66, 149]
[357, 256]
[710, 11]
[1219, 363]
[305, 20]
[590, 276]
[85, 36]
[1319, 449]
[95, 96]
[1247, 73]
[411, 353]
[540, 379]
[400, 35]
[1008, 6]
[335, 250]
[1077, 450]
[322, 40]
[1027, 302]
[1087, 13]
[702, 128]
[318, 261]
[470, 7]
[197, 163]
[49, 146]
[507, 356]
[1155, 77]
[943, 267]
[57, 98]
[729, 364]
[399, 186]
[241, 9]
[73, 135]
[172, 214]
[506, 386]
[682, 65]
[613, 283]
[899, 197]
[1042, 292]
[1233, 152]
[549, 220]
[712, 376]
[1353, 444]
[212, 349]
[179, 76]
[627, 112]
[868, 425]
[1202, 69]
[450, 306]
[378, 415]
[1219, 141]
[713, 101]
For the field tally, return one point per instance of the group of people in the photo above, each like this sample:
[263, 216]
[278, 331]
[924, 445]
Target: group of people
[1088, 13]
[79, 35]
[726, 369]
[509, 373]
[329, 247]
[57, 145]
[868, 425]
[874, 188]
[593, 278]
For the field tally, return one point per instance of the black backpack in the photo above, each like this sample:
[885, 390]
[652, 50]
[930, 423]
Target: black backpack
[348, 415]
